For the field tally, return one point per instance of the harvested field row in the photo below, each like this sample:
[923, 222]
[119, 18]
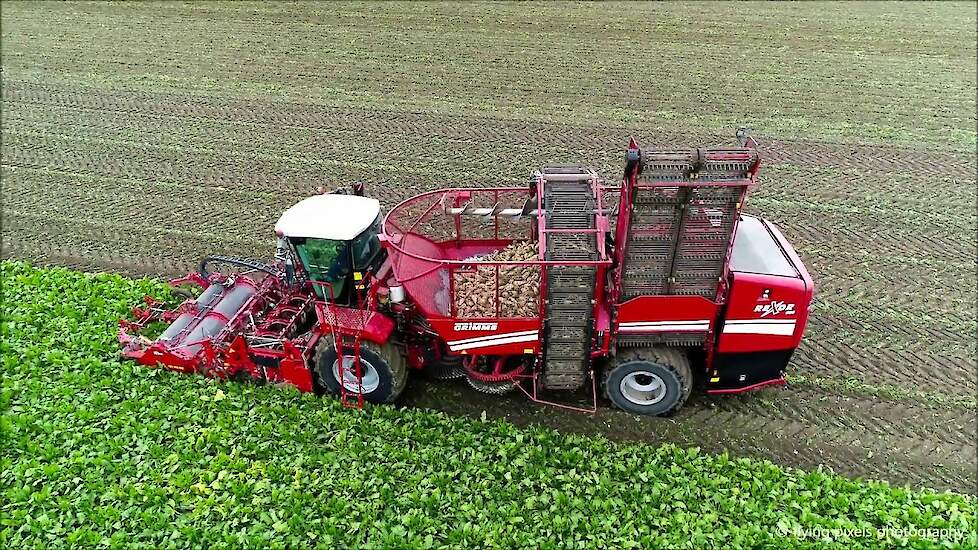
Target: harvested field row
[848, 190]
[206, 134]
[855, 333]
[507, 74]
[897, 215]
[573, 90]
[894, 239]
[947, 278]
[168, 247]
[785, 178]
[898, 237]
[589, 139]
[631, 106]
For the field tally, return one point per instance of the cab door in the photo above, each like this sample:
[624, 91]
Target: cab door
[325, 261]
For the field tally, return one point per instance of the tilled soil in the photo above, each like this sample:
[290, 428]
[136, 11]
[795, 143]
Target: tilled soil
[124, 178]
[92, 200]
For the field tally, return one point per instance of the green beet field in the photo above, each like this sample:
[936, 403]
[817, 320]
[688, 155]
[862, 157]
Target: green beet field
[101, 453]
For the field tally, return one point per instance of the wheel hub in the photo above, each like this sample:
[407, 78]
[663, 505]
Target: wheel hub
[643, 388]
[370, 376]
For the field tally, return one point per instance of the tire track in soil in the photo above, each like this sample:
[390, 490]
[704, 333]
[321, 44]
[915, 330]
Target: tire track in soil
[908, 371]
[883, 279]
[918, 370]
[827, 231]
[935, 447]
[868, 193]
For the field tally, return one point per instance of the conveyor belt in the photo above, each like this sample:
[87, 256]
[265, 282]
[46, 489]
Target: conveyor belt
[569, 204]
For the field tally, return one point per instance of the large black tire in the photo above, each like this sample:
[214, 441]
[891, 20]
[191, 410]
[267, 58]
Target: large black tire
[385, 361]
[666, 369]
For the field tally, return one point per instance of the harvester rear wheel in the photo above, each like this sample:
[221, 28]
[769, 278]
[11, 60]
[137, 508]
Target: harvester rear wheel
[384, 371]
[653, 381]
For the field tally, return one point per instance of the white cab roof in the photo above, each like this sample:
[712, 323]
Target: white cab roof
[337, 217]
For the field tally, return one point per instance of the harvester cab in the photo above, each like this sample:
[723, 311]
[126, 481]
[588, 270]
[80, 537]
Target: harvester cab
[565, 290]
[332, 240]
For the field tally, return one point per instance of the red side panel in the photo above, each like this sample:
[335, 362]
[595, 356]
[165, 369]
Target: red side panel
[765, 312]
[294, 371]
[769, 300]
[489, 337]
[665, 314]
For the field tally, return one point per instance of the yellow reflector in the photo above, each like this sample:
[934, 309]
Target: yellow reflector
[357, 276]
[717, 379]
[528, 350]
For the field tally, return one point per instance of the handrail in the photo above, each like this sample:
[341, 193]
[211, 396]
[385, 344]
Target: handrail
[394, 239]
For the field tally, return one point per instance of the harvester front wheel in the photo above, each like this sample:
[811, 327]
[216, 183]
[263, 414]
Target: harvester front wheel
[383, 369]
[651, 381]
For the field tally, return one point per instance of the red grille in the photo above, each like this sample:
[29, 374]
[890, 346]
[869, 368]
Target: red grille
[339, 316]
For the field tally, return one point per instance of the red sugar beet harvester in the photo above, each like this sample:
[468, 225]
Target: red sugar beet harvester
[639, 291]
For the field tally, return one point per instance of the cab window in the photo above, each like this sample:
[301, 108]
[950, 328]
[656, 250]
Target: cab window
[326, 261]
[366, 246]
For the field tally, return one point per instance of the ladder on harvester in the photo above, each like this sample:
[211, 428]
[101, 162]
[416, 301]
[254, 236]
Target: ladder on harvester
[568, 199]
[346, 326]
[350, 370]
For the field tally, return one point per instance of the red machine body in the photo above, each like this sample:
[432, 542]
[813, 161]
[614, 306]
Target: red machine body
[664, 261]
